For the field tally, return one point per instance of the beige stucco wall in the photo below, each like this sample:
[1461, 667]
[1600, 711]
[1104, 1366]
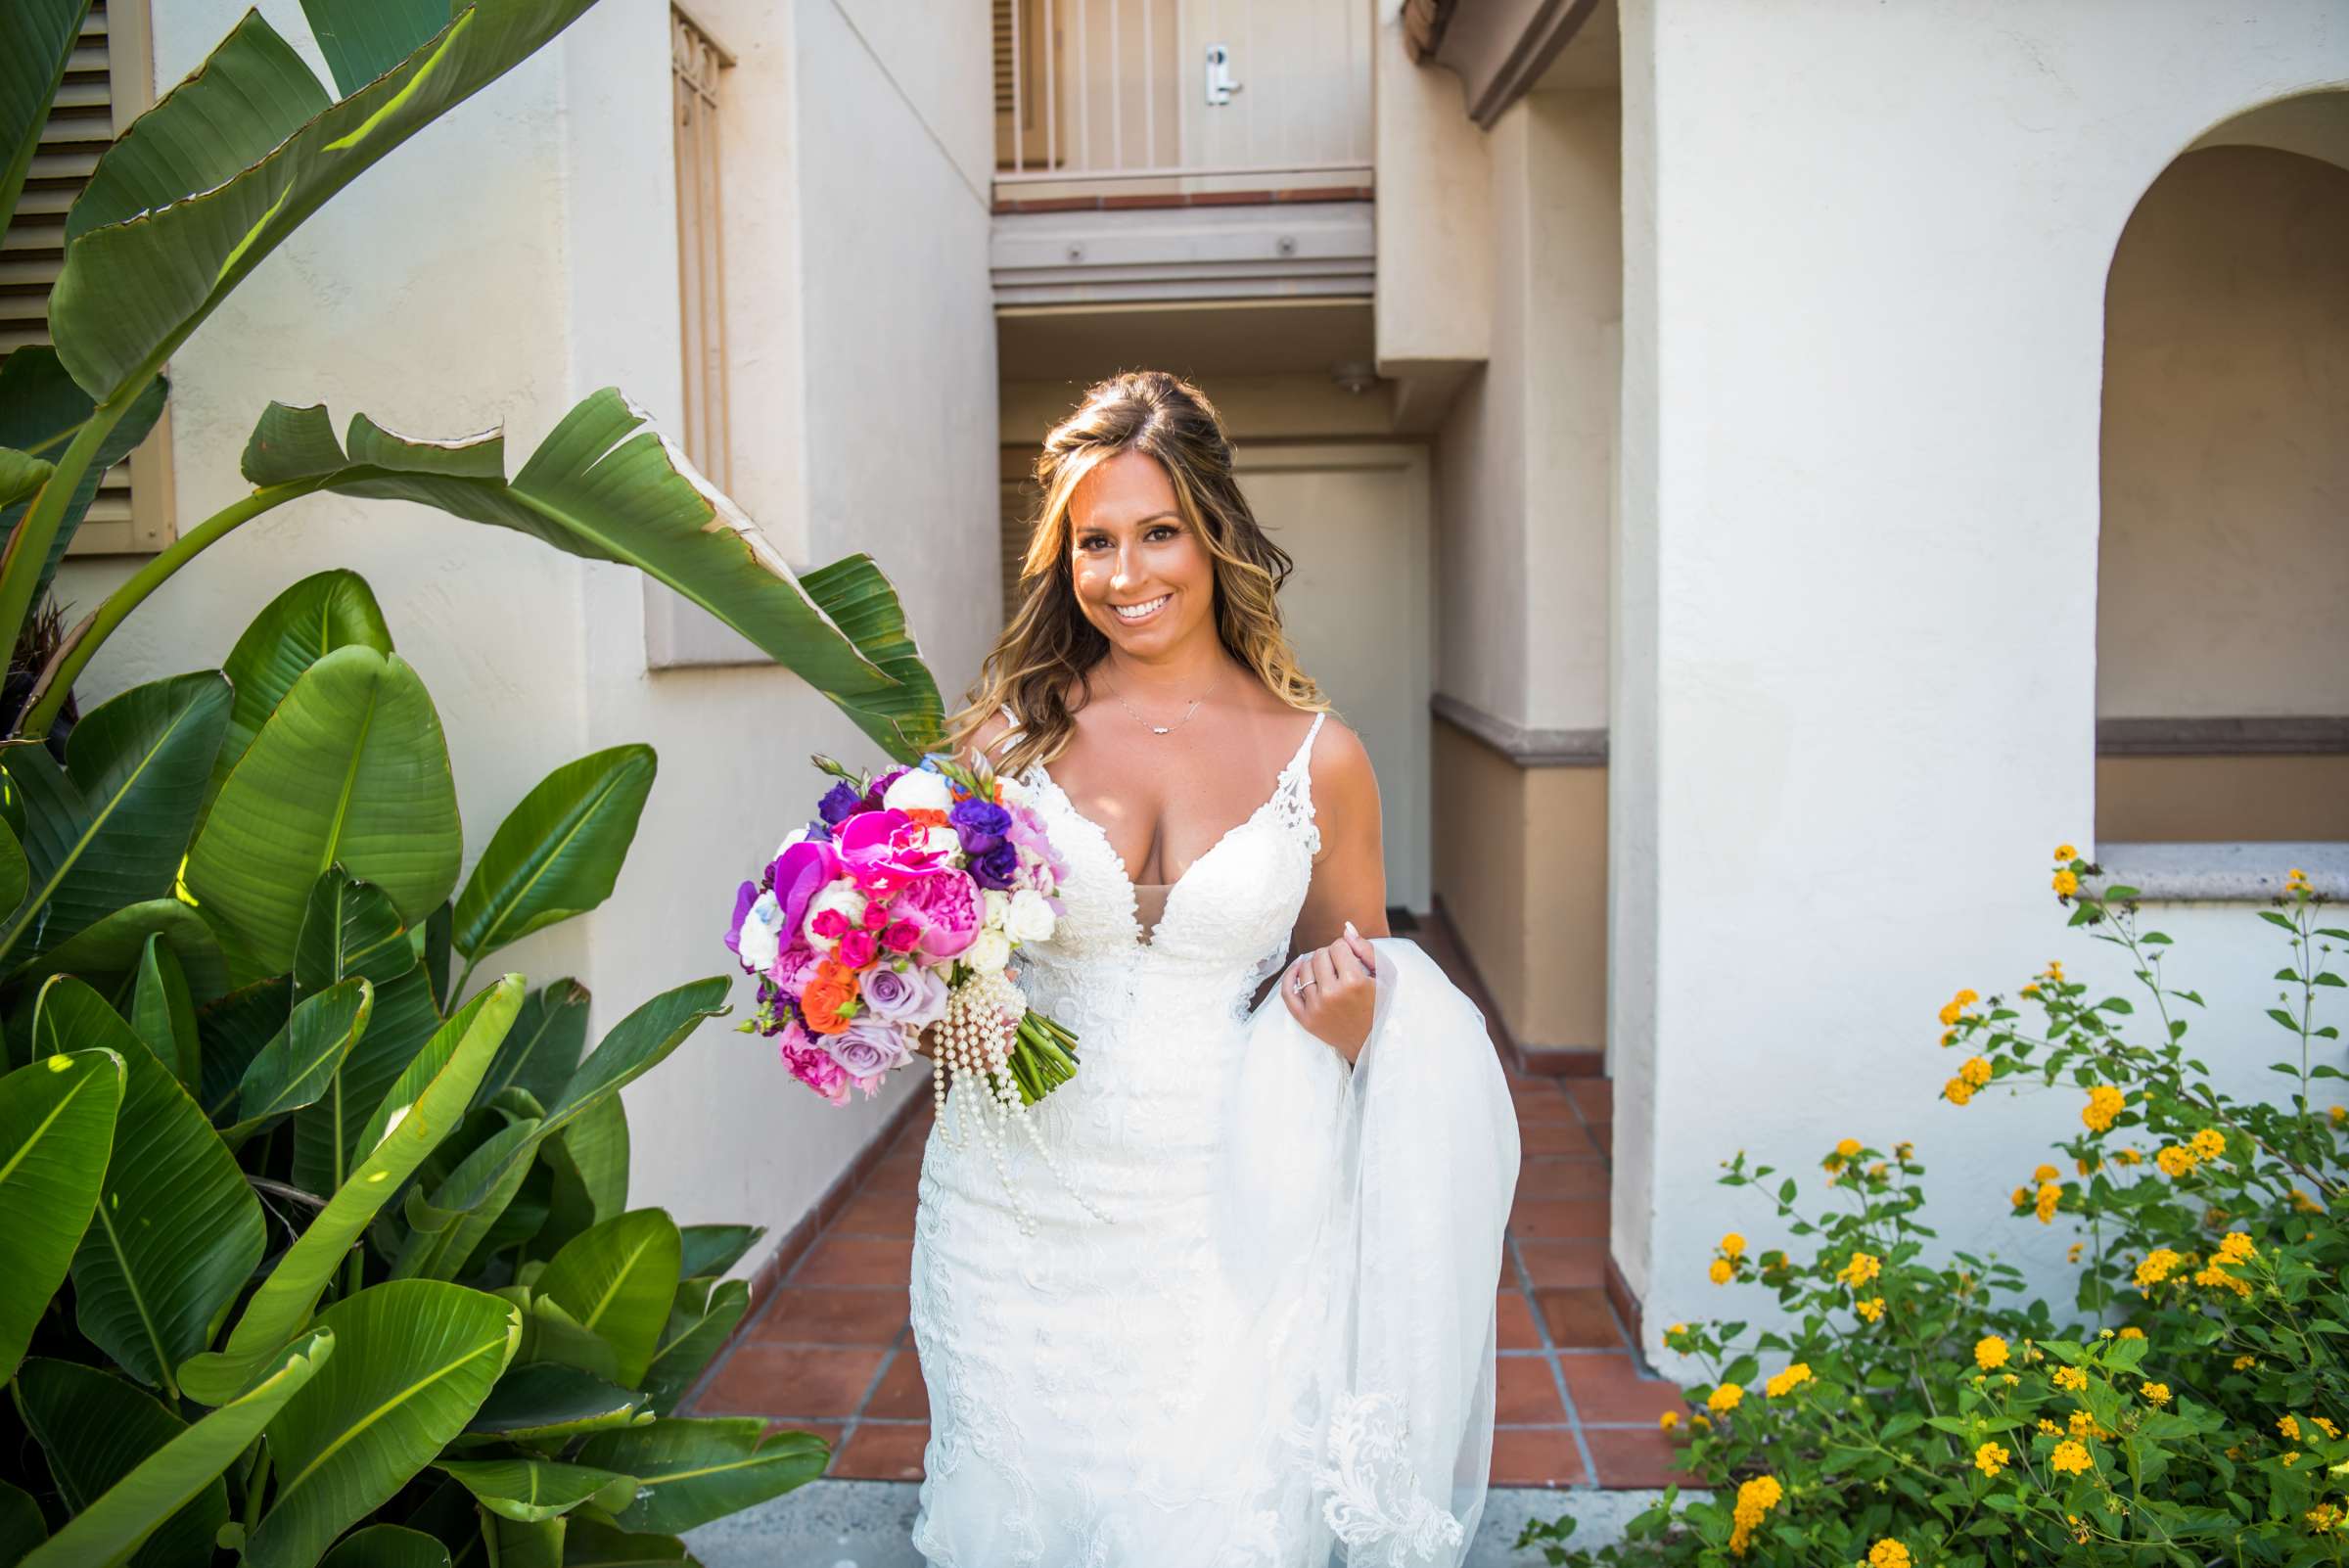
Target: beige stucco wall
[2223, 560]
[1521, 867]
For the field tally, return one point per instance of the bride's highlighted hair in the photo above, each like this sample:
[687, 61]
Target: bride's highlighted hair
[1048, 645]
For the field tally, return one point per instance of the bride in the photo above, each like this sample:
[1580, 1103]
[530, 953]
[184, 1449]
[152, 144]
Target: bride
[1254, 1322]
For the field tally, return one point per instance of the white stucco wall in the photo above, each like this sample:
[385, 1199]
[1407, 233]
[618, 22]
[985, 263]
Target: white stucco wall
[1855, 674]
[504, 264]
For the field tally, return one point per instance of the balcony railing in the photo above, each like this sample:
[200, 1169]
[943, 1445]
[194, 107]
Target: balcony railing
[1181, 98]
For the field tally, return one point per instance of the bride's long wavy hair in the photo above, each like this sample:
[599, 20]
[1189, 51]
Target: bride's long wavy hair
[1049, 644]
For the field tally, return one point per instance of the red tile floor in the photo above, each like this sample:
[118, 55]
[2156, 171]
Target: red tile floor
[830, 1350]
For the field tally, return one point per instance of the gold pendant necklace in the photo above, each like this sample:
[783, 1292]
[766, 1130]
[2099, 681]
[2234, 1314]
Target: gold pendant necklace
[1163, 729]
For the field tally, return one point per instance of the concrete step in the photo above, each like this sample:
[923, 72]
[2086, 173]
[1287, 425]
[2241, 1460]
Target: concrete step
[865, 1524]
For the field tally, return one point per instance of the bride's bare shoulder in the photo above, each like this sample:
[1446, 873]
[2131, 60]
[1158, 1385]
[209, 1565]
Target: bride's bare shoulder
[1340, 770]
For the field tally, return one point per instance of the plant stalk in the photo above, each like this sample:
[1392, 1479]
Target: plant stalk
[124, 600]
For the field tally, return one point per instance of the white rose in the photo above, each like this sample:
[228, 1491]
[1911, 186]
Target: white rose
[989, 952]
[761, 935]
[1011, 789]
[995, 904]
[843, 895]
[918, 791]
[1029, 917]
[941, 841]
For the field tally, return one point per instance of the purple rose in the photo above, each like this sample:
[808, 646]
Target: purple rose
[981, 824]
[801, 872]
[946, 905]
[998, 866]
[880, 787]
[868, 1047]
[840, 803]
[912, 996]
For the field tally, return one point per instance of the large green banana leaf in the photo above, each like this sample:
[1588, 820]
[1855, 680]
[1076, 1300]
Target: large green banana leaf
[116, 942]
[414, 1359]
[416, 1114]
[177, 1231]
[108, 828]
[714, 1249]
[705, 1312]
[298, 1066]
[178, 1477]
[95, 1430]
[181, 228]
[350, 767]
[693, 1471]
[57, 1129]
[40, 409]
[323, 612]
[617, 1280]
[588, 1170]
[543, 1403]
[606, 486]
[447, 1228]
[588, 1544]
[527, 1490]
[386, 1546]
[163, 1011]
[36, 40]
[351, 930]
[542, 1049]
[557, 853]
[21, 1527]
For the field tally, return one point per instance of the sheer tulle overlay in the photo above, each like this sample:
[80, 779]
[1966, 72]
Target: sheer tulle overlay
[1281, 1349]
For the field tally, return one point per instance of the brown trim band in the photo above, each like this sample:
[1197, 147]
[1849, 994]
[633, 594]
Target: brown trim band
[1520, 744]
[2311, 736]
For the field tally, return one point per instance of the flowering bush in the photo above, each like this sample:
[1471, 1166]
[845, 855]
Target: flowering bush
[2188, 1406]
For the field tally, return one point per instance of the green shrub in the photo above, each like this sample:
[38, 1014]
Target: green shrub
[299, 1242]
[2189, 1405]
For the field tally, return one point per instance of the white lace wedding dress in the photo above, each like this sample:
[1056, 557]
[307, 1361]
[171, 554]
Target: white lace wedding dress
[1280, 1346]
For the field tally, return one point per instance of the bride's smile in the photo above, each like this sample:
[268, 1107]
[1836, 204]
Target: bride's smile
[1143, 574]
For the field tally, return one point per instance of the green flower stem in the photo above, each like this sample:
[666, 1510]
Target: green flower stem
[124, 600]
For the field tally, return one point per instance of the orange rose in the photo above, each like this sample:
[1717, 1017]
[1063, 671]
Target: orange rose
[833, 989]
[927, 816]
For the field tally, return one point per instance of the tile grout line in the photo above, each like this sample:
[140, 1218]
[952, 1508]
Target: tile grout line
[1557, 1373]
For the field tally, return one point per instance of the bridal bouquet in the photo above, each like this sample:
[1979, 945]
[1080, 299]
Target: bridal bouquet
[901, 906]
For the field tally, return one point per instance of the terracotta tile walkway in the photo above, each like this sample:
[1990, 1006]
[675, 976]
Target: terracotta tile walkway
[830, 1350]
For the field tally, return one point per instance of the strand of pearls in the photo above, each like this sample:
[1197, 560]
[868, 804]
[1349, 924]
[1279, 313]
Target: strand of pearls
[978, 1033]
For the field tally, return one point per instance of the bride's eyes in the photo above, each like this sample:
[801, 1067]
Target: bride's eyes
[1156, 533]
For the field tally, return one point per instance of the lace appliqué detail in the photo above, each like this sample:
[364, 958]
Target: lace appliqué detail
[1375, 1502]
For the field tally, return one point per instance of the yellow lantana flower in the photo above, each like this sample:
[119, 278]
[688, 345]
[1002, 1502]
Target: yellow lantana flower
[2236, 1247]
[2104, 1102]
[2065, 883]
[2156, 1393]
[1888, 1554]
[2159, 1265]
[2209, 1143]
[1957, 1091]
[1733, 1245]
[1754, 1498]
[1668, 1420]
[2065, 854]
[1721, 1272]
[1990, 1459]
[1871, 1308]
[2071, 1379]
[2290, 1426]
[2069, 1458]
[1975, 1069]
[2133, 1332]
[1786, 1382]
[1862, 1267]
[2051, 1197]
[1989, 1352]
[2175, 1160]
[1724, 1399]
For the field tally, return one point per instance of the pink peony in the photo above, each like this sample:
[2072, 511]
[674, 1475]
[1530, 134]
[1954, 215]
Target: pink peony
[949, 910]
[886, 851]
[813, 1065]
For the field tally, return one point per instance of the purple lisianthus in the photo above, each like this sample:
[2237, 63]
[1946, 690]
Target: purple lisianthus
[996, 867]
[912, 996]
[840, 803]
[880, 787]
[868, 1047]
[981, 824]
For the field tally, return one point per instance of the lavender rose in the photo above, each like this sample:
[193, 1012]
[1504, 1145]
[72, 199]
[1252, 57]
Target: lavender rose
[914, 997]
[868, 1047]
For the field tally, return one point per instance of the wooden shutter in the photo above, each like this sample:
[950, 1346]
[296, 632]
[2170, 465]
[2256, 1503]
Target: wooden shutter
[108, 84]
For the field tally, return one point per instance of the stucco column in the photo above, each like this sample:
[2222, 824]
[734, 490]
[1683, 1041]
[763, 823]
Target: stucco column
[1853, 673]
